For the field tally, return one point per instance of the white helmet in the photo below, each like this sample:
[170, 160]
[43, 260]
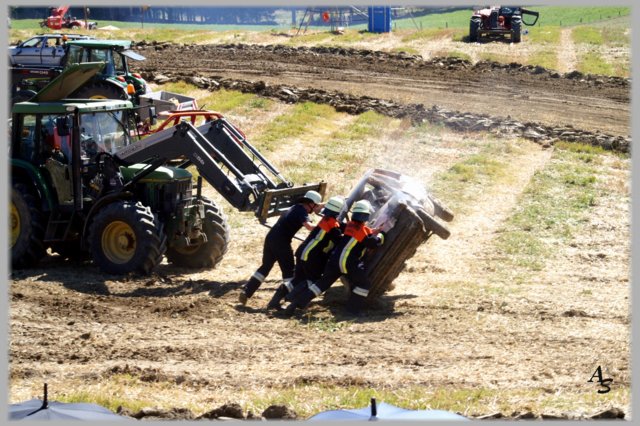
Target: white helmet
[334, 205]
[362, 206]
[361, 211]
[312, 196]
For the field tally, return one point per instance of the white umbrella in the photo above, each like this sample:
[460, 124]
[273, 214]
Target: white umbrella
[384, 411]
[36, 409]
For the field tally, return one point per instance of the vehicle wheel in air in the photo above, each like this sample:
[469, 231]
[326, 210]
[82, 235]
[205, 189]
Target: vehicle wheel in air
[474, 28]
[100, 91]
[515, 30]
[26, 227]
[205, 255]
[125, 237]
[432, 225]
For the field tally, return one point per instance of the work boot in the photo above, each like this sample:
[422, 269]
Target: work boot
[249, 288]
[242, 298]
[297, 290]
[288, 311]
[280, 293]
[355, 304]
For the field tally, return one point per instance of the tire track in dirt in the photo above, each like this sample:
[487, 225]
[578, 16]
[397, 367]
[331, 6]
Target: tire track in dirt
[567, 58]
[472, 234]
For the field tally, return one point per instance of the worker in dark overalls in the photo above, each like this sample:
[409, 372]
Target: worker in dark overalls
[277, 244]
[346, 259]
[313, 253]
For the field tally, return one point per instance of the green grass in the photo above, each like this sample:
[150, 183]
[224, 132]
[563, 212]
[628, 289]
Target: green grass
[292, 124]
[587, 34]
[339, 153]
[464, 181]
[544, 35]
[429, 34]
[594, 63]
[549, 16]
[565, 15]
[547, 58]
[610, 36]
[405, 49]
[312, 395]
[553, 207]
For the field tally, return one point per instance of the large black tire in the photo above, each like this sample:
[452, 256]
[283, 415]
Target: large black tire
[206, 255]
[125, 237]
[474, 28]
[26, 227]
[432, 225]
[440, 210]
[516, 25]
[100, 91]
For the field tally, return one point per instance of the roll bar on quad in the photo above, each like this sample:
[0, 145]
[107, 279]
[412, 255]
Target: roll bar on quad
[524, 11]
[225, 159]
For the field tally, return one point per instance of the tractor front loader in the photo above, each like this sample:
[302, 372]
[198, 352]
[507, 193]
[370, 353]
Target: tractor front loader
[82, 185]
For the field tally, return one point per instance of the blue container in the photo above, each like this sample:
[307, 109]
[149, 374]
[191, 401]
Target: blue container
[379, 19]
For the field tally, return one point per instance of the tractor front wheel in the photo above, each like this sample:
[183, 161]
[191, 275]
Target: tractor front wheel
[124, 237]
[100, 91]
[205, 255]
[515, 30]
[26, 228]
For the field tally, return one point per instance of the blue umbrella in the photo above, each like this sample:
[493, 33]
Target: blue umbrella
[36, 409]
[384, 411]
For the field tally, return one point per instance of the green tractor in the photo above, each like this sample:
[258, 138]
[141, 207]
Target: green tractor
[114, 81]
[82, 184]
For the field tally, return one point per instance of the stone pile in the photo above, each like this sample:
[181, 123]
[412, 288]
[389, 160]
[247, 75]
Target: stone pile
[459, 121]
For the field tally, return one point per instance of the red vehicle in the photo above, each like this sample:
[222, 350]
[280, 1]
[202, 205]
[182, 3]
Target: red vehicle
[498, 21]
[58, 19]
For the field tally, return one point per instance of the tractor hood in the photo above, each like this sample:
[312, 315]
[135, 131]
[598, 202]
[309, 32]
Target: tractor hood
[68, 82]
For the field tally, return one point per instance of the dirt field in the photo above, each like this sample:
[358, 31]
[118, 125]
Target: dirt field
[458, 332]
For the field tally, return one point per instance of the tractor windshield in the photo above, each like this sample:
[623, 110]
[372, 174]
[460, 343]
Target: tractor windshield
[103, 132]
[81, 54]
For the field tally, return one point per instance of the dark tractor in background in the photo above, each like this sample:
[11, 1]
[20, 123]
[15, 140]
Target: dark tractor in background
[499, 22]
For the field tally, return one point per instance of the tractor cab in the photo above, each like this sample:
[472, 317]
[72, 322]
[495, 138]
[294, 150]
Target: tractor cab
[115, 54]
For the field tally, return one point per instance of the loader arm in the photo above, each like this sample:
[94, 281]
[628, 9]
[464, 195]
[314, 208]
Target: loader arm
[226, 161]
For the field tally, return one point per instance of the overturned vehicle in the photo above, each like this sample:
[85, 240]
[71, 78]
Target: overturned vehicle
[407, 213]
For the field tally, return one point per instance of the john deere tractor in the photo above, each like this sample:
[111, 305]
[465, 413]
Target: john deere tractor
[83, 184]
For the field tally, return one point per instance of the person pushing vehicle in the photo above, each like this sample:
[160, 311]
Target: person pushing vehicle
[346, 259]
[313, 253]
[277, 243]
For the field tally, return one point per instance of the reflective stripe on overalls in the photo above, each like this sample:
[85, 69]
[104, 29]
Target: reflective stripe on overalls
[324, 226]
[358, 232]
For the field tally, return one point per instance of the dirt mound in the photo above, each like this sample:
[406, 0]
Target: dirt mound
[535, 94]
[417, 113]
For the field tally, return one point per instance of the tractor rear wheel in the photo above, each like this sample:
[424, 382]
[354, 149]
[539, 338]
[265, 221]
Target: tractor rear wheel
[100, 91]
[26, 228]
[515, 30]
[205, 255]
[125, 237]
[474, 28]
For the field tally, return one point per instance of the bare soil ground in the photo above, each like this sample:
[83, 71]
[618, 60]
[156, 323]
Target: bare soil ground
[498, 91]
[453, 321]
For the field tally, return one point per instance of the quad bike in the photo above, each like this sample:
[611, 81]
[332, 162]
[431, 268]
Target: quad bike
[498, 22]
